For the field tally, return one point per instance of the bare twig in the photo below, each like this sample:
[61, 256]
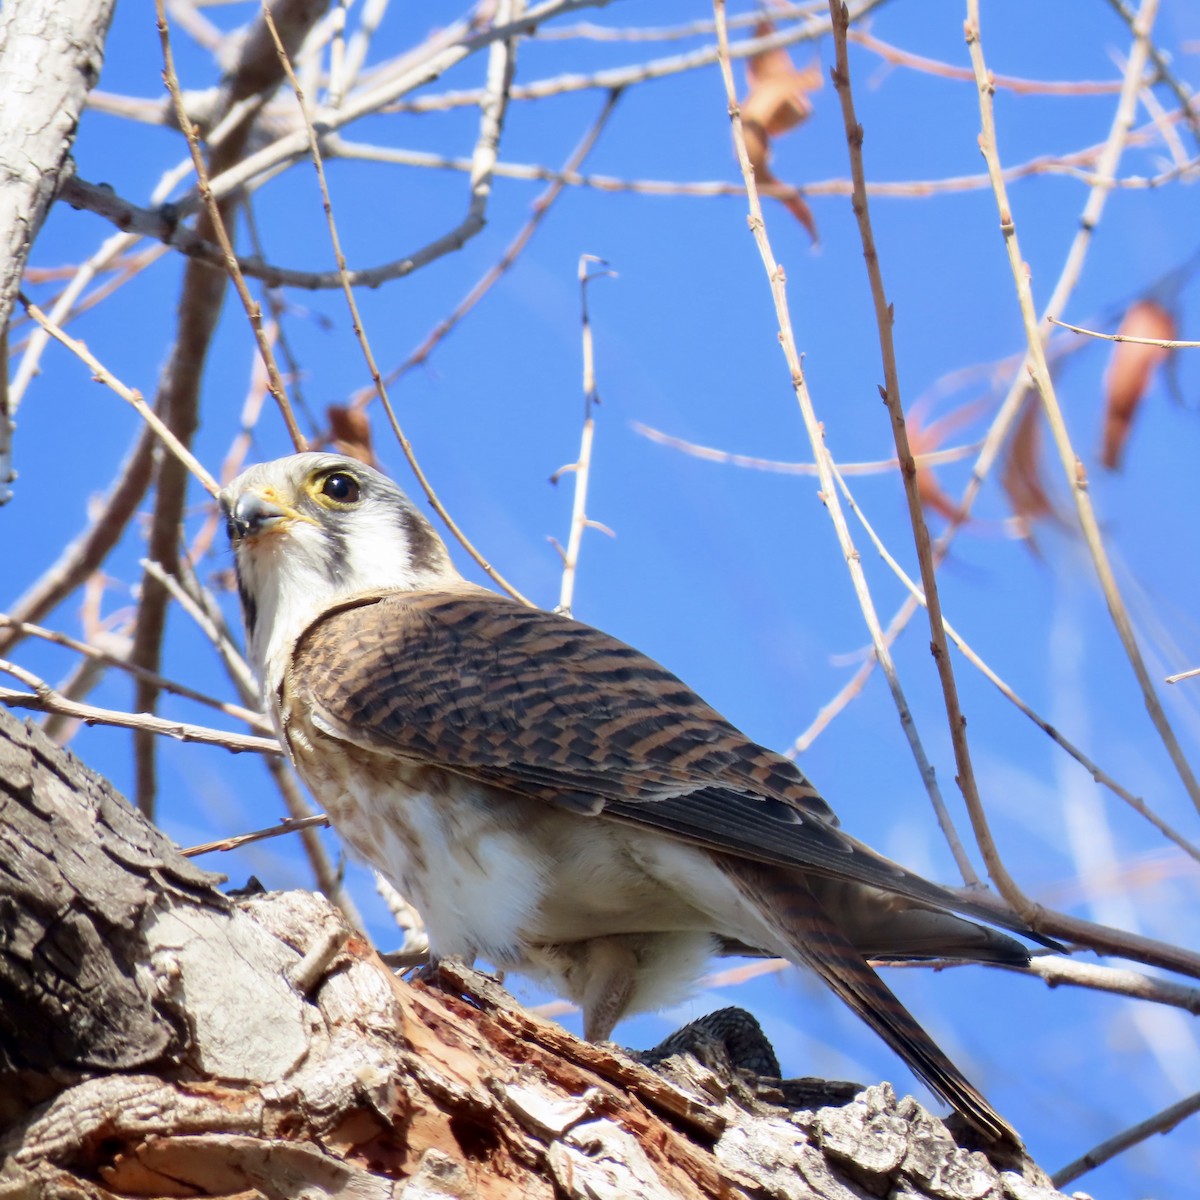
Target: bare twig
[112, 249]
[95, 654]
[1161, 1122]
[185, 590]
[1022, 87]
[840, 20]
[1124, 337]
[289, 825]
[130, 395]
[1040, 373]
[882, 466]
[1162, 67]
[581, 467]
[1191, 673]
[500, 77]
[816, 436]
[216, 220]
[540, 207]
[43, 698]
[1067, 972]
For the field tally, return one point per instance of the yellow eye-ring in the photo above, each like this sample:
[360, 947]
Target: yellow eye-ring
[340, 487]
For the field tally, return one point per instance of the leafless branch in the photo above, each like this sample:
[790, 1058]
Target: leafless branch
[1161, 1122]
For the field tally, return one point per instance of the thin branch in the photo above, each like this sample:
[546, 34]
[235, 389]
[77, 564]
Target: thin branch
[1025, 87]
[216, 219]
[882, 466]
[500, 76]
[1124, 337]
[1191, 673]
[540, 207]
[776, 277]
[94, 654]
[43, 698]
[1067, 972]
[1097, 773]
[1162, 1122]
[130, 395]
[185, 590]
[884, 316]
[289, 825]
[582, 466]
[1039, 370]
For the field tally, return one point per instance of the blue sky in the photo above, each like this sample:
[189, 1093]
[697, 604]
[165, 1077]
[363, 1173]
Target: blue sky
[732, 577]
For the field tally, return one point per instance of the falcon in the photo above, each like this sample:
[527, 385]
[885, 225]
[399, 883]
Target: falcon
[551, 799]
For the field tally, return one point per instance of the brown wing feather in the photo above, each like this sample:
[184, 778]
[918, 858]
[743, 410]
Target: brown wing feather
[555, 710]
[817, 941]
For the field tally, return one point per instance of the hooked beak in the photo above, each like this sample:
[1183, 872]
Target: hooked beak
[254, 513]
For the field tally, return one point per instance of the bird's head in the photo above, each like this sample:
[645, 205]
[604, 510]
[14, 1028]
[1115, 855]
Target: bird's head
[310, 530]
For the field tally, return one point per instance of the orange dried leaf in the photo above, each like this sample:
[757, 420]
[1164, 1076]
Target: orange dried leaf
[1022, 470]
[1129, 373]
[781, 103]
[777, 95]
[350, 433]
[931, 493]
[767, 64]
[776, 101]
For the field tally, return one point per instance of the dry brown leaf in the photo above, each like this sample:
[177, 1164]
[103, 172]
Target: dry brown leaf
[1129, 372]
[777, 101]
[1022, 470]
[350, 433]
[924, 439]
[931, 493]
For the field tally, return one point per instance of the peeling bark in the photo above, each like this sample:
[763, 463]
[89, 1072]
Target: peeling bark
[158, 1038]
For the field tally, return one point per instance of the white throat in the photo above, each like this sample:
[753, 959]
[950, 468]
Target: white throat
[291, 580]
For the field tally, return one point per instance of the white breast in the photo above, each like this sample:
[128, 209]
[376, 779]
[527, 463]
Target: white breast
[522, 884]
[451, 849]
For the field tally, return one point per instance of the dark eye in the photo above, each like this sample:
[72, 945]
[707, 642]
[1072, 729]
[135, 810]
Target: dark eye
[340, 487]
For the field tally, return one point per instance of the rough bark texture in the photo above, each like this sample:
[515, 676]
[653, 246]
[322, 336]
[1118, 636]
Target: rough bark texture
[158, 1038]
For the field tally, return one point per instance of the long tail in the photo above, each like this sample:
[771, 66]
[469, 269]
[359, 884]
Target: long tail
[813, 940]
